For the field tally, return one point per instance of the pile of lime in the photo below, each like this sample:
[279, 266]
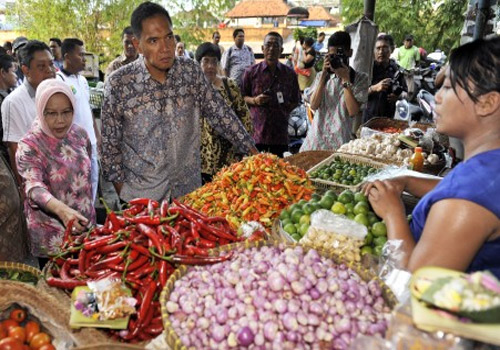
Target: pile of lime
[343, 172]
[295, 219]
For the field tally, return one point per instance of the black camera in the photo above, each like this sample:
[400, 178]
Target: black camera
[396, 87]
[336, 60]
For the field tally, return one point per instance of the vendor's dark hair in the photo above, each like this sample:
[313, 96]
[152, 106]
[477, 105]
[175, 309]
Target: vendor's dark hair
[214, 33]
[144, 11]
[477, 62]
[27, 52]
[69, 44]
[6, 62]
[276, 35]
[340, 38]
[322, 34]
[56, 40]
[207, 49]
[236, 31]
[309, 41]
[127, 31]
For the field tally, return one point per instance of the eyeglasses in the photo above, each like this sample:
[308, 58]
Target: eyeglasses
[207, 61]
[64, 114]
[272, 45]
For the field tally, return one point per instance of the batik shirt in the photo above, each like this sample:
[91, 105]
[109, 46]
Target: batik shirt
[332, 125]
[217, 152]
[236, 60]
[151, 130]
[54, 168]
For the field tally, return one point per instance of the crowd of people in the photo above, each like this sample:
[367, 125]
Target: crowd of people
[172, 118]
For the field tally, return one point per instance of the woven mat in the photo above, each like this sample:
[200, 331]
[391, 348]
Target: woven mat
[308, 159]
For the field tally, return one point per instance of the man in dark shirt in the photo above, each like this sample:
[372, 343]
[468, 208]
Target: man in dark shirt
[271, 90]
[385, 88]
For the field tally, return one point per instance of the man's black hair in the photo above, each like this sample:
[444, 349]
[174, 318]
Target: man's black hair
[475, 67]
[6, 62]
[214, 33]
[309, 41]
[127, 31]
[207, 49]
[276, 35]
[69, 44]
[236, 31]
[177, 38]
[7, 46]
[322, 34]
[340, 38]
[27, 52]
[144, 11]
[56, 40]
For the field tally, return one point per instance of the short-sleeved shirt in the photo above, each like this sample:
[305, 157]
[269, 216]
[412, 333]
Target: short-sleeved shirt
[474, 180]
[151, 130]
[318, 46]
[407, 58]
[83, 114]
[332, 125]
[236, 60]
[54, 168]
[118, 62]
[271, 120]
[18, 112]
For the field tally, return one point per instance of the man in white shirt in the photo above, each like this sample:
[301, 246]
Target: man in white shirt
[73, 54]
[18, 109]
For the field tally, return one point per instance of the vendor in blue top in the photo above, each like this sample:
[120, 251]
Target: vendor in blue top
[456, 224]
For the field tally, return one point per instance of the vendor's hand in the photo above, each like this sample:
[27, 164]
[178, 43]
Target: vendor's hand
[66, 214]
[385, 199]
[392, 98]
[261, 100]
[382, 85]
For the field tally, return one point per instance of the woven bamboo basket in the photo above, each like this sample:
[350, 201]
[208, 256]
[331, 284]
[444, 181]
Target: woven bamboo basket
[308, 159]
[381, 122]
[14, 266]
[355, 159]
[172, 337]
[107, 346]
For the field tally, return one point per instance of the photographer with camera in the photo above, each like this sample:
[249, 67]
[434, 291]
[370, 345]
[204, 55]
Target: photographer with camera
[336, 96]
[387, 83]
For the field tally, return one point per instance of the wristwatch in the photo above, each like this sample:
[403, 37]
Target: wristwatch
[346, 85]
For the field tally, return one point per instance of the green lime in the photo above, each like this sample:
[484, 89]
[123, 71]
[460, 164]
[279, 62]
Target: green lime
[308, 208]
[332, 194]
[377, 251]
[366, 250]
[296, 237]
[338, 208]
[380, 241]
[294, 207]
[315, 197]
[372, 217]
[326, 202]
[349, 207]
[368, 239]
[305, 219]
[290, 229]
[361, 208]
[302, 202]
[285, 214]
[346, 196]
[360, 197]
[286, 222]
[379, 229]
[303, 229]
[350, 216]
[362, 219]
[352, 172]
[296, 215]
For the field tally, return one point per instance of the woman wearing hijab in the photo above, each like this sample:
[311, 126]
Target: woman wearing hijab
[53, 159]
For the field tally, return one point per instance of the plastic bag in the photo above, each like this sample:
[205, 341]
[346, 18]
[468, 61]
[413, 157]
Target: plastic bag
[336, 233]
[391, 269]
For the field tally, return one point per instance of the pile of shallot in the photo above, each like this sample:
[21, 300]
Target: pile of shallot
[275, 298]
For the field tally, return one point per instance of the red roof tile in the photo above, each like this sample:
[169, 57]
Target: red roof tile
[259, 8]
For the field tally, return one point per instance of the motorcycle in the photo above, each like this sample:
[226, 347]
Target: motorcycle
[422, 112]
[298, 125]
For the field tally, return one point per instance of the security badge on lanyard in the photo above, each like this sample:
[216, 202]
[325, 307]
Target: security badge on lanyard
[279, 96]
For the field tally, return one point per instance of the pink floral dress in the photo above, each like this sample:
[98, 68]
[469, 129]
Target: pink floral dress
[57, 168]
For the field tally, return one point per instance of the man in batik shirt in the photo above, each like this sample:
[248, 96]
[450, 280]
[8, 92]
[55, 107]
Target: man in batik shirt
[237, 58]
[151, 115]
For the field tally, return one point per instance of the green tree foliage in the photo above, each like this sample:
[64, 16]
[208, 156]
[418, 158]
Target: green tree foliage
[306, 32]
[434, 24]
[98, 23]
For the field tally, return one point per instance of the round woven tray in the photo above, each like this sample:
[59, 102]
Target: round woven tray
[173, 339]
[308, 159]
[14, 266]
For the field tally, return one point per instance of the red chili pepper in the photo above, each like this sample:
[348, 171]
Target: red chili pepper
[192, 250]
[65, 283]
[107, 263]
[194, 230]
[219, 233]
[140, 249]
[109, 248]
[115, 222]
[154, 330]
[96, 243]
[144, 202]
[197, 260]
[151, 234]
[146, 303]
[205, 243]
[81, 261]
[163, 268]
[67, 232]
[164, 208]
[142, 271]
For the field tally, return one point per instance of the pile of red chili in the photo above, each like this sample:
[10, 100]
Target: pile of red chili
[141, 245]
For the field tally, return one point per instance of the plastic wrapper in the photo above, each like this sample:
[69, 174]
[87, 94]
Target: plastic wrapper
[364, 342]
[391, 270]
[113, 300]
[335, 233]
[391, 172]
